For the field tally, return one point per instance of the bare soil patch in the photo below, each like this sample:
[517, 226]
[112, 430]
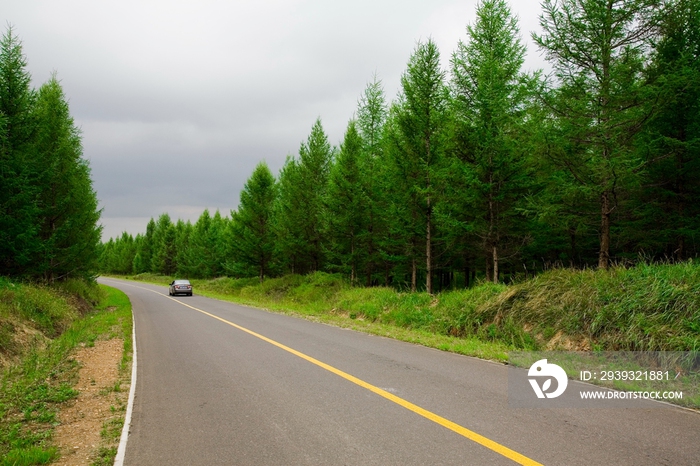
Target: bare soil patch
[99, 407]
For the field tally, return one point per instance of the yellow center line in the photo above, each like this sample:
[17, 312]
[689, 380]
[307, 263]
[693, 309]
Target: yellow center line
[471, 435]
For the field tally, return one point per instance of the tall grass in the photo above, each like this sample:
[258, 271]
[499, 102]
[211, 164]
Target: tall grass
[41, 308]
[643, 308]
[652, 307]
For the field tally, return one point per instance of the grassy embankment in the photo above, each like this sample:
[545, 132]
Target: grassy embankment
[40, 328]
[643, 308]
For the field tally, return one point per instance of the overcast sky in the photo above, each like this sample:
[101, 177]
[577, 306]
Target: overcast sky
[179, 100]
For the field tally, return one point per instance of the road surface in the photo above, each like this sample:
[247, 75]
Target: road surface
[219, 383]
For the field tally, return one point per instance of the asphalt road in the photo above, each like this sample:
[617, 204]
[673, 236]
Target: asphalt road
[225, 384]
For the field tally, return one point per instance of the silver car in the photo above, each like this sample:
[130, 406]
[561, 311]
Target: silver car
[180, 287]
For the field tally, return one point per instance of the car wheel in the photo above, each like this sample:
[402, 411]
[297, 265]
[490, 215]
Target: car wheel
[190, 294]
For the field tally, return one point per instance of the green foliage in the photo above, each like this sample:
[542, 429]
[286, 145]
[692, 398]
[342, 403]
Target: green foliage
[146, 249]
[668, 207]
[490, 173]
[371, 119]
[48, 209]
[251, 229]
[597, 49]
[164, 251]
[371, 116]
[19, 210]
[416, 142]
[498, 176]
[347, 207]
[300, 208]
[203, 253]
[68, 230]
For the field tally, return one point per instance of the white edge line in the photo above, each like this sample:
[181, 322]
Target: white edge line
[121, 451]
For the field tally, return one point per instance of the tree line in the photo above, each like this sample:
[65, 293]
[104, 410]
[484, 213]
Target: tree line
[48, 209]
[481, 170]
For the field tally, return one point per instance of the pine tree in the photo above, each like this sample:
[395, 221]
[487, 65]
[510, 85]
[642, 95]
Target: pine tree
[371, 118]
[598, 49]
[490, 174]
[138, 266]
[164, 250]
[217, 233]
[19, 210]
[288, 218]
[299, 212]
[125, 253]
[145, 249]
[68, 221]
[315, 158]
[669, 207]
[251, 231]
[183, 242]
[559, 230]
[106, 258]
[348, 207]
[203, 258]
[418, 143]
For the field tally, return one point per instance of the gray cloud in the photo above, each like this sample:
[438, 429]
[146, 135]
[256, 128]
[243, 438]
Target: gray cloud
[179, 100]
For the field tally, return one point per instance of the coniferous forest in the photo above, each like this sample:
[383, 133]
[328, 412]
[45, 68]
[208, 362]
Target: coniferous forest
[49, 215]
[477, 171]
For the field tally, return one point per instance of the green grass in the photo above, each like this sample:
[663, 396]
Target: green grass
[28, 456]
[105, 456]
[642, 308]
[43, 374]
[330, 299]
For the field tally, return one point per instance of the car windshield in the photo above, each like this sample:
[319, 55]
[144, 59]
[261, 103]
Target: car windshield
[181, 282]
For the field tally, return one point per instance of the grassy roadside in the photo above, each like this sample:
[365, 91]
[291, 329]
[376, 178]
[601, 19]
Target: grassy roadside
[41, 328]
[650, 308]
[317, 297]
[643, 308]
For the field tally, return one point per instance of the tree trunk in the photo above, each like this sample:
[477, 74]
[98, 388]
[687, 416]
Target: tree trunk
[352, 267]
[680, 189]
[493, 235]
[370, 245]
[428, 254]
[495, 264]
[604, 255]
[368, 282]
[572, 240]
[489, 263]
[413, 274]
[262, 270]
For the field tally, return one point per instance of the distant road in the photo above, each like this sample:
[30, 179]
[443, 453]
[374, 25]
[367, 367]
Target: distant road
[222, 384]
